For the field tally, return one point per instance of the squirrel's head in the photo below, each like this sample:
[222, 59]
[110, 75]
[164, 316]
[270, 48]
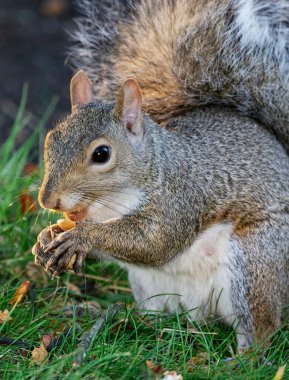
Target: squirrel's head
[93, 157]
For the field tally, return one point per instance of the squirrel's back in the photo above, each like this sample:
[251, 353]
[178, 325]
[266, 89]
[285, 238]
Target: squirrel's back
[228, 145]
[187, 52]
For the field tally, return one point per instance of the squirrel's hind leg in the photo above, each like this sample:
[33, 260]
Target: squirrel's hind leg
[259, 288]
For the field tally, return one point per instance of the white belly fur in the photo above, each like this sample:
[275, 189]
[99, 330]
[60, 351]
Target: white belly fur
[200, 276]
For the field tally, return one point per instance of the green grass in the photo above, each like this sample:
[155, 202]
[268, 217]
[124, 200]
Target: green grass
[119, 352]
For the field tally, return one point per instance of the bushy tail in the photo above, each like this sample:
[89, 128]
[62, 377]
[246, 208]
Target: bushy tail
[144, 39]
[190, 52]
[96, 39]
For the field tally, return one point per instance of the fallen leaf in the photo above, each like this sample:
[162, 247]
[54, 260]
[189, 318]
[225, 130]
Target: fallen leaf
[4, 316]
[280, 372]
[39, 354]
[29, 168]
[157, 370]
[27, 203]
[172, 375]
[47, 340]
[23, 353]
[72, 287]
[200, 360]
[20, 293]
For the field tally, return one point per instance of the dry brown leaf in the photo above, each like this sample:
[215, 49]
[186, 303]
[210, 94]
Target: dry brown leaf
[72, 287]
[27, 203]
[172, 375]
[23, 353]
[48, 339]
[39, 354]
[200, 360]
[157, 370]
[4, 316]
[29, 168]
[280, 372]
[20, 293]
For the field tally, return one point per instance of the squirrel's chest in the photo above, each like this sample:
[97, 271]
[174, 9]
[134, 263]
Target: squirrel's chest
[198, 278]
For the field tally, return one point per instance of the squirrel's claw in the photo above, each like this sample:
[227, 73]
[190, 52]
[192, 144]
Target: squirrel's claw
[61, 252]
[37, 251]
[55, 243]
[47, 235]
[58, 252]
[77, 266]
[62, 249]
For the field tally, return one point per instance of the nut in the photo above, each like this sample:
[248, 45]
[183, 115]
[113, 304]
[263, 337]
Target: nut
[65, 224]
[69, 266]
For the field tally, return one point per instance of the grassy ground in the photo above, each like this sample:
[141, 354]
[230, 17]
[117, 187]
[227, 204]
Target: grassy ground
[121, 350]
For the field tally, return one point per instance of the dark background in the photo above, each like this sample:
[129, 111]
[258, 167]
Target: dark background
[33, 49]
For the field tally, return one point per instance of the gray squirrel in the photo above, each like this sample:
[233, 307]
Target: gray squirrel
[186, 53]
[199, 208]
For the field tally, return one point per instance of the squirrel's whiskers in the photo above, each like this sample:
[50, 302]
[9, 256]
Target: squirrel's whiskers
[186, 208]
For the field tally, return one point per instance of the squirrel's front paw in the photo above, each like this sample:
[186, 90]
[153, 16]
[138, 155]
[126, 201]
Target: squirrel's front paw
[45, 237]
[68, 248]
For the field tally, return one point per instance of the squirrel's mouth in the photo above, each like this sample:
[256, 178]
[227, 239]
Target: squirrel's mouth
[76, 215]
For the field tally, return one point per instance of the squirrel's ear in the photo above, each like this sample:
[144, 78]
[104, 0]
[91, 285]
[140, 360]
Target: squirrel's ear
[80, 90]
[128, 109]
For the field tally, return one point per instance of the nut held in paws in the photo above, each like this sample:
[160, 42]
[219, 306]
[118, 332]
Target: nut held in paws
[65, 224]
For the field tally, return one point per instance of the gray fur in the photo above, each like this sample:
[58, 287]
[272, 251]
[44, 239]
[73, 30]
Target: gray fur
[185, 53]
[208, 167]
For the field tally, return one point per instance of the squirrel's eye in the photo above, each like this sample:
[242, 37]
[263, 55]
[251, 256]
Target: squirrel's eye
[101, 154]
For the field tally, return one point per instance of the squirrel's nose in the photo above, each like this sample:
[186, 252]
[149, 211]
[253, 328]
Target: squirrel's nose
[58, 205]
[48, 201]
